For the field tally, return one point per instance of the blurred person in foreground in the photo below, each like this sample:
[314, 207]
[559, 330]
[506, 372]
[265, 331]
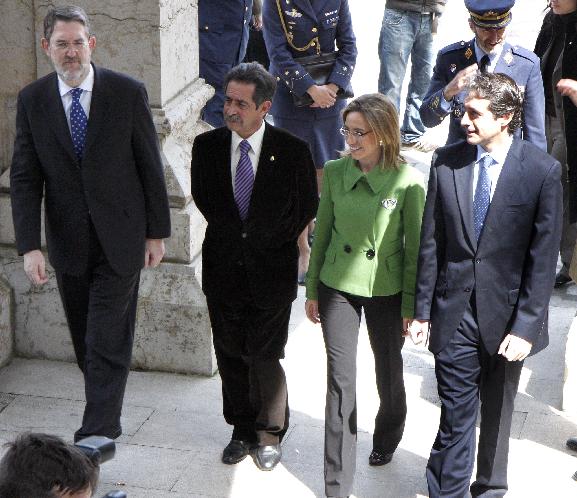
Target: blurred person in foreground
[44, 466]
[365, 258]
[487, 260]
[487, 52]
[557, 47]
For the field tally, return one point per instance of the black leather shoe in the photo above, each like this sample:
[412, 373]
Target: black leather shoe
[572, 443]
[377, 458]
[561, 279]
[267, 457]
[236, 451]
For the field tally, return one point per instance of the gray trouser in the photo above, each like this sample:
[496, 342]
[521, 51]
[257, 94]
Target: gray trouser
[557, 147]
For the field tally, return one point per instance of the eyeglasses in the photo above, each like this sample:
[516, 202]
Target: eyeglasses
[345, 132]
[63, 46]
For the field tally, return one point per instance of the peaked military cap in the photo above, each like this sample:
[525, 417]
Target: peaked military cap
[490, 13]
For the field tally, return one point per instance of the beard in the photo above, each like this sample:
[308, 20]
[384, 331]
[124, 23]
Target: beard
[72, 73]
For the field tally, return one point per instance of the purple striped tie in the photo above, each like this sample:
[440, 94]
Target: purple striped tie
[243, 180]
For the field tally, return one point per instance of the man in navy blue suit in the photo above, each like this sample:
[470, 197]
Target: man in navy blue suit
[487, 52]
[487, 261]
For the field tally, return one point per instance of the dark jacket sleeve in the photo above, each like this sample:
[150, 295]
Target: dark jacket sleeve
[26, 185]
[150, 169]
[346, 44]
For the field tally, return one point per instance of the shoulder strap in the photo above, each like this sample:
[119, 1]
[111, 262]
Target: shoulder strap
[289, 36]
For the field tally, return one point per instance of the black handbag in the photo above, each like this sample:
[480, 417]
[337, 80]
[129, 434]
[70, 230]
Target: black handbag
[319, 68]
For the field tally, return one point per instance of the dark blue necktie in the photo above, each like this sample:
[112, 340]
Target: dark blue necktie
[243, 180]
[482, 194]
[78, 123]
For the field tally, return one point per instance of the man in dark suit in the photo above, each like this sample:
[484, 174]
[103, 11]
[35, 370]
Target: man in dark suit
[486, 269]
[85, 138]
[487, 52]
[255, 185]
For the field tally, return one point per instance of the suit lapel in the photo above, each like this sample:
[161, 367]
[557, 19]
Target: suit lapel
[508, 183]
[464, 189]
[56, 118]
[99, 105]
[265, 166]
[223, 174]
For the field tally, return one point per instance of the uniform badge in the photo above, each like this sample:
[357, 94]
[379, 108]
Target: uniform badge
[389, 203]
[508, 58]
[293, 13]
[468, 53]
[457, 112]
[453, 68]
[436, 102]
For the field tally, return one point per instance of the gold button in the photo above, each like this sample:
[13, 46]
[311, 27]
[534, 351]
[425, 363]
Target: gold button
[206, 28]
[314, 30]
[286, 72]
[313, 44]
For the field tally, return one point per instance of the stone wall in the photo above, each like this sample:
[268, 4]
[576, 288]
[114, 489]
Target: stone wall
[157, 43]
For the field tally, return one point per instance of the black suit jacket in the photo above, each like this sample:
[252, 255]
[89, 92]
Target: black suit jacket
[259, 256]
[512, 268]
[119, 185]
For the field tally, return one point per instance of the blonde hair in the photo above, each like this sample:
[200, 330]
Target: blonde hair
[383, 119]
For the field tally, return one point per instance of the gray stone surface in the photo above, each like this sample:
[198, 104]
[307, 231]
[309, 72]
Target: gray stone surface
[6, 323]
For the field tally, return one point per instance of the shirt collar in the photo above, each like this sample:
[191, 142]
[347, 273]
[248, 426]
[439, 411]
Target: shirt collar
[479, 52]
[499, 154]
[86, 85]
[255, 140]
[376, 178]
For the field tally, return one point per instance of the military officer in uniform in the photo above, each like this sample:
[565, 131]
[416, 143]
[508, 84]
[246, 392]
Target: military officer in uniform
[223, 30]
[299, 28]
[487, 52]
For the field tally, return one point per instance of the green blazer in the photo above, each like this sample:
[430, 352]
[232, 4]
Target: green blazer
[367, 232]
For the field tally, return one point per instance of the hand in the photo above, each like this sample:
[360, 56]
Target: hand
[419, 331]
[324, 96]
[256, 22]
[154, 253]
[406, 323]
[459, 82]
[568, 88]
[35, 267]
[312, 310]
[515, 348]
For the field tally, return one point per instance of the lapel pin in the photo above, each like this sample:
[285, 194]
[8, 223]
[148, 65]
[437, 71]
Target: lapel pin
[508, 58]
[389, 203]
[272, 158]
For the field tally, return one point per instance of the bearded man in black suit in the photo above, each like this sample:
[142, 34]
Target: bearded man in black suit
[255, 185]
[86, 142]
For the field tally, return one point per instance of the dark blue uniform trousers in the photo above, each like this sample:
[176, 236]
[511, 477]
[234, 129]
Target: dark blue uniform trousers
[465, 371]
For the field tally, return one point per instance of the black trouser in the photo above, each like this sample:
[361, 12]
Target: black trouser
[340, 319]
[249, 343]
[100, 308]
[465, 371]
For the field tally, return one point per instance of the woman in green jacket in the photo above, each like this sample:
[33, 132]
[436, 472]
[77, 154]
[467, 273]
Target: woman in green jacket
[364, 257]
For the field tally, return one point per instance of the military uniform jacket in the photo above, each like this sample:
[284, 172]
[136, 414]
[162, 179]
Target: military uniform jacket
[324, 23]
[367, 232]
[519, 63]
[223, 29]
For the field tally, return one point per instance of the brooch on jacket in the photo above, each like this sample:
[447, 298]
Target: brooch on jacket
[389, 203]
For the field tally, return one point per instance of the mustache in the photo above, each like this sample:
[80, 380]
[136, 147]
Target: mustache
[235, 118]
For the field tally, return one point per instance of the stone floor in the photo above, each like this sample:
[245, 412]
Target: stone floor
[174, 432]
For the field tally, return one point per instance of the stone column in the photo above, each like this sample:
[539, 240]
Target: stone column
[155, 41]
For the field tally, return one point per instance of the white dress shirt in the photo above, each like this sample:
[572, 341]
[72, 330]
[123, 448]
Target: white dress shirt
[255, 141]
[494, 170]
[85, 96]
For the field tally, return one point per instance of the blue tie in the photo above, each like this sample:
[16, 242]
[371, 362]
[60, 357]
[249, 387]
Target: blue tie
[482, 194]
[243, 180]
[78, 123]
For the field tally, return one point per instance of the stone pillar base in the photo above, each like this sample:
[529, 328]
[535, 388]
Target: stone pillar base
[6, 325]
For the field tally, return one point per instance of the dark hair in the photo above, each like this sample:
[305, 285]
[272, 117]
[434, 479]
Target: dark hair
[253, 73]
[66, 13]
[503, 94]
[37, 464]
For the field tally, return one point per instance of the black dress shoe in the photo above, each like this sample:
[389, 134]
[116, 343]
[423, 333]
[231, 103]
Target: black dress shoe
[561, 279]
[235, 451]
[267, 457]
[572, 443]
[377, 458]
